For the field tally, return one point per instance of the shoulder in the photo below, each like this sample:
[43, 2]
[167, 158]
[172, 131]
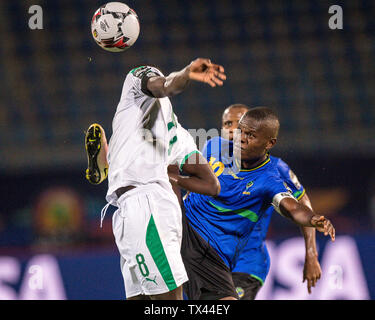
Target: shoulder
[218, 145]
[214, 139]
[210, 141]
[271, 176]
[286, 173]
[145, 70]
[278, 162]
[281, 166]
[273, 184]
[138, 77]
[219, 141]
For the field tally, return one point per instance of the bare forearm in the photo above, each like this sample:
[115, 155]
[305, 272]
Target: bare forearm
[202, 70]
[195, 184]
[309, 234]
[305, 217]
[200, 179]
[176, 82]
[169, 86]
[310, 243]
[298, 213]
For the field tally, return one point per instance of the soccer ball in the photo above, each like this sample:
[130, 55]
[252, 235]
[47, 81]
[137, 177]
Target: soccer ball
[115, 26]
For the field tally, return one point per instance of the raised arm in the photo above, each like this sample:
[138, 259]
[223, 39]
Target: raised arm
[201, 70]
[201, 178]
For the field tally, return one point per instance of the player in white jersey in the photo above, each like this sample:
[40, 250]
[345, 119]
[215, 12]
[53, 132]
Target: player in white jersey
[146, 138]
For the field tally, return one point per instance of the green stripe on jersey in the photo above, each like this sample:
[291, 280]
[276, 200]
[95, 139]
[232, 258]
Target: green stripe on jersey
[248, 214]
[156, 249]
[132, 71]
[256, 277]
[170, 125]
[171, 143]
[299, 194]
[187, 157]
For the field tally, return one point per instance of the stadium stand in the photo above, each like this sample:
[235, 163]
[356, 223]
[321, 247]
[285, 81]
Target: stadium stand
[56, 81]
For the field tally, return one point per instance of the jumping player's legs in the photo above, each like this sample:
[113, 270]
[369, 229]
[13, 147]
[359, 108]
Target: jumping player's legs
[96, 149]
[148, 235]
[209, 276]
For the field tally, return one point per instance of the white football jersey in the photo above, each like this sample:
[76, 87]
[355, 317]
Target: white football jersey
[184, 147]
[144, 137]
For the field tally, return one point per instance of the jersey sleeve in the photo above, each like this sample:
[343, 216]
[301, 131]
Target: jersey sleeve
[183, 148]
[275, 191]
[140, 77]
[291, 179]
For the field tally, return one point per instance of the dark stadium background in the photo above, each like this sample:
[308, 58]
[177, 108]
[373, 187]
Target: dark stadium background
[55, 82]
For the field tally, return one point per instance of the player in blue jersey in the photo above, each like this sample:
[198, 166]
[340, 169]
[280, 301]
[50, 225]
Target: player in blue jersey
[253, 263]
[217, 229]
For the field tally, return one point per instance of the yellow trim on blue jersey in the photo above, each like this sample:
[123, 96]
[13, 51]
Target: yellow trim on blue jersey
[301, 195]
[264, 163]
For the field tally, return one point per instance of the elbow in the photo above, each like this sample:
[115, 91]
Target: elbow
[214, 188]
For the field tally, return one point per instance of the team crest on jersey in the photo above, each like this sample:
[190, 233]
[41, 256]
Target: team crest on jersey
[248, 185]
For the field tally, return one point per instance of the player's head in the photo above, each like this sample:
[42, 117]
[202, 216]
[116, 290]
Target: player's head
[259, 129]
[230, 118]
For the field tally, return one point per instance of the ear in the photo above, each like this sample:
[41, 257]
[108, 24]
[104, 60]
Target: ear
[271, 143]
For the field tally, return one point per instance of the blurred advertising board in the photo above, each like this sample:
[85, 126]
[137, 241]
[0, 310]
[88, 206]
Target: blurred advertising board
[347, 266]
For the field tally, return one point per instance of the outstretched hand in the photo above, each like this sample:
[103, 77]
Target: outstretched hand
[204, 70]
[323, 225]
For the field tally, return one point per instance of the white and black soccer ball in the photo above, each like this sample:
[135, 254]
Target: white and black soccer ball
[115, 26]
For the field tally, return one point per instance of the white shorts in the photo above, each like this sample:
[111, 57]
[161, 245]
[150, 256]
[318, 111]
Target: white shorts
[148, 231]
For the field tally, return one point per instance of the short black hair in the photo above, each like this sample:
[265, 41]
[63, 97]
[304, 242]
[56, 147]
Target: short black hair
[264, 114]
[261, 113]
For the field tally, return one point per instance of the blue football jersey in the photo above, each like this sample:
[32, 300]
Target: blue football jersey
[254, 258]
[226, 221]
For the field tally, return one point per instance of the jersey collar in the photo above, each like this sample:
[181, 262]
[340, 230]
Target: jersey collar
[268, 159]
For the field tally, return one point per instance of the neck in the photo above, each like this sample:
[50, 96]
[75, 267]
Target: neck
[252, 163]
